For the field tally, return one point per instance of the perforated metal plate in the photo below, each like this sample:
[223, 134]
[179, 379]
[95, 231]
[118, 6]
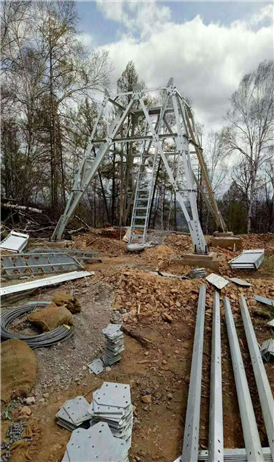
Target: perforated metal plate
[103, 409]
[96, 443]
[112, 329]
[77, 409]
[113, 394]
[217, 281]
[97, 366]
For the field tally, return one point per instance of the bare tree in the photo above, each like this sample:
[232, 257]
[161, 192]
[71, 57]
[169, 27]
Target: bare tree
[250, 130]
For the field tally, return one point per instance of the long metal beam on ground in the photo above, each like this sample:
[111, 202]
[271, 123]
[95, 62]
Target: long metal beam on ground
[216, 444]
[250, 431]
[44, 282]
[264, 390]
[192, 423]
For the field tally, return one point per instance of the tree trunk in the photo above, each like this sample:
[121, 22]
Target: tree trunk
[250, 203]
[113, 187]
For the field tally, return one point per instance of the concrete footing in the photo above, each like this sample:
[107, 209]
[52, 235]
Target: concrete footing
[227, 242]
[223, 234]
[210, 260]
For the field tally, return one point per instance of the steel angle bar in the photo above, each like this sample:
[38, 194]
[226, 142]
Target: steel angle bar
[250, 431]
[216, 445]
[191, 434]
[264, 390]
[44, 282]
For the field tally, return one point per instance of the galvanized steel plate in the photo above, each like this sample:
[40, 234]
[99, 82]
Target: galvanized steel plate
[217, 281]
[77, 409]
[264, 300]
[97, 366]
[241, 282]
[113, 394]
[96, 443]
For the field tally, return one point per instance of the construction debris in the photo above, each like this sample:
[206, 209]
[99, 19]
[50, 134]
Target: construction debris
[249, 259]
[28, 264]
[197, 273]
[73, 413]
[217, 281]
[264, 300]
[53, 280]
[96, 444]
[14, 242]
[112, 405]
[271, 323]
[114, 344]
[267, 350]
[240, 282]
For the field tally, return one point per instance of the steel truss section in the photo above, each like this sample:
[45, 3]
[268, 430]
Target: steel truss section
[250, 431]
[216, 445]
[192, 423]
[98, 148]
[264, 390]
[25, 264]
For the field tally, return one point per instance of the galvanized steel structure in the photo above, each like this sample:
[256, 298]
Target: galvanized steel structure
[250, 430]
[192, 423]
[264, 390]
[154, 139]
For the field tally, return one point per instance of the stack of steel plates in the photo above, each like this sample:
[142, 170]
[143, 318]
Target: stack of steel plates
[267, 350]
[74, 414]
[95, 444]
[112, 404]
[249, 259]
[114, 344]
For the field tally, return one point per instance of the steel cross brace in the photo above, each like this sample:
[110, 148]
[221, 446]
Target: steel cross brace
[250, 431]
[264, 390]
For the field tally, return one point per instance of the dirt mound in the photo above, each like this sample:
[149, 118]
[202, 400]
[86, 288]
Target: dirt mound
[51, 317]
[104, 245]
[146, 296]
[158, 256]
[180, 243]
[18, 369]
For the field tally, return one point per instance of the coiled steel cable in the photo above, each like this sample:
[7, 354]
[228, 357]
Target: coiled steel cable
[46, 339]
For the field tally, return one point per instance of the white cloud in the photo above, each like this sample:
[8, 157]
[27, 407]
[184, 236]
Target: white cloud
[143, 17]
[206, 60]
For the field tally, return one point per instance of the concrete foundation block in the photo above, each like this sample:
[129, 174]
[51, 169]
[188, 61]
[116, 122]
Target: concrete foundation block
[228, 242]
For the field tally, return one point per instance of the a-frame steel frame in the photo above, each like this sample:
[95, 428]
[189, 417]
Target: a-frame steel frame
[153, 141]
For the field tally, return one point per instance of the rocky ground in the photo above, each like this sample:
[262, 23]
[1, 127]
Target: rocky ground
[161, 310]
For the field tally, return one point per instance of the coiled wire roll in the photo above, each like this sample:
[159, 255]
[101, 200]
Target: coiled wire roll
[47, 339]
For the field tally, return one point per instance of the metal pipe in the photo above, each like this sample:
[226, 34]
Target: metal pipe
[250, 431]
[216, 444]
[191, 434]
[264, 390]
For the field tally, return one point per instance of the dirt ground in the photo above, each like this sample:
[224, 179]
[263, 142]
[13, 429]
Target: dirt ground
[162, 369]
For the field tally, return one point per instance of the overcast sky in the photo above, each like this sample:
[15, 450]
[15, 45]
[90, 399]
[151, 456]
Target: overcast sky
[206, 46]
